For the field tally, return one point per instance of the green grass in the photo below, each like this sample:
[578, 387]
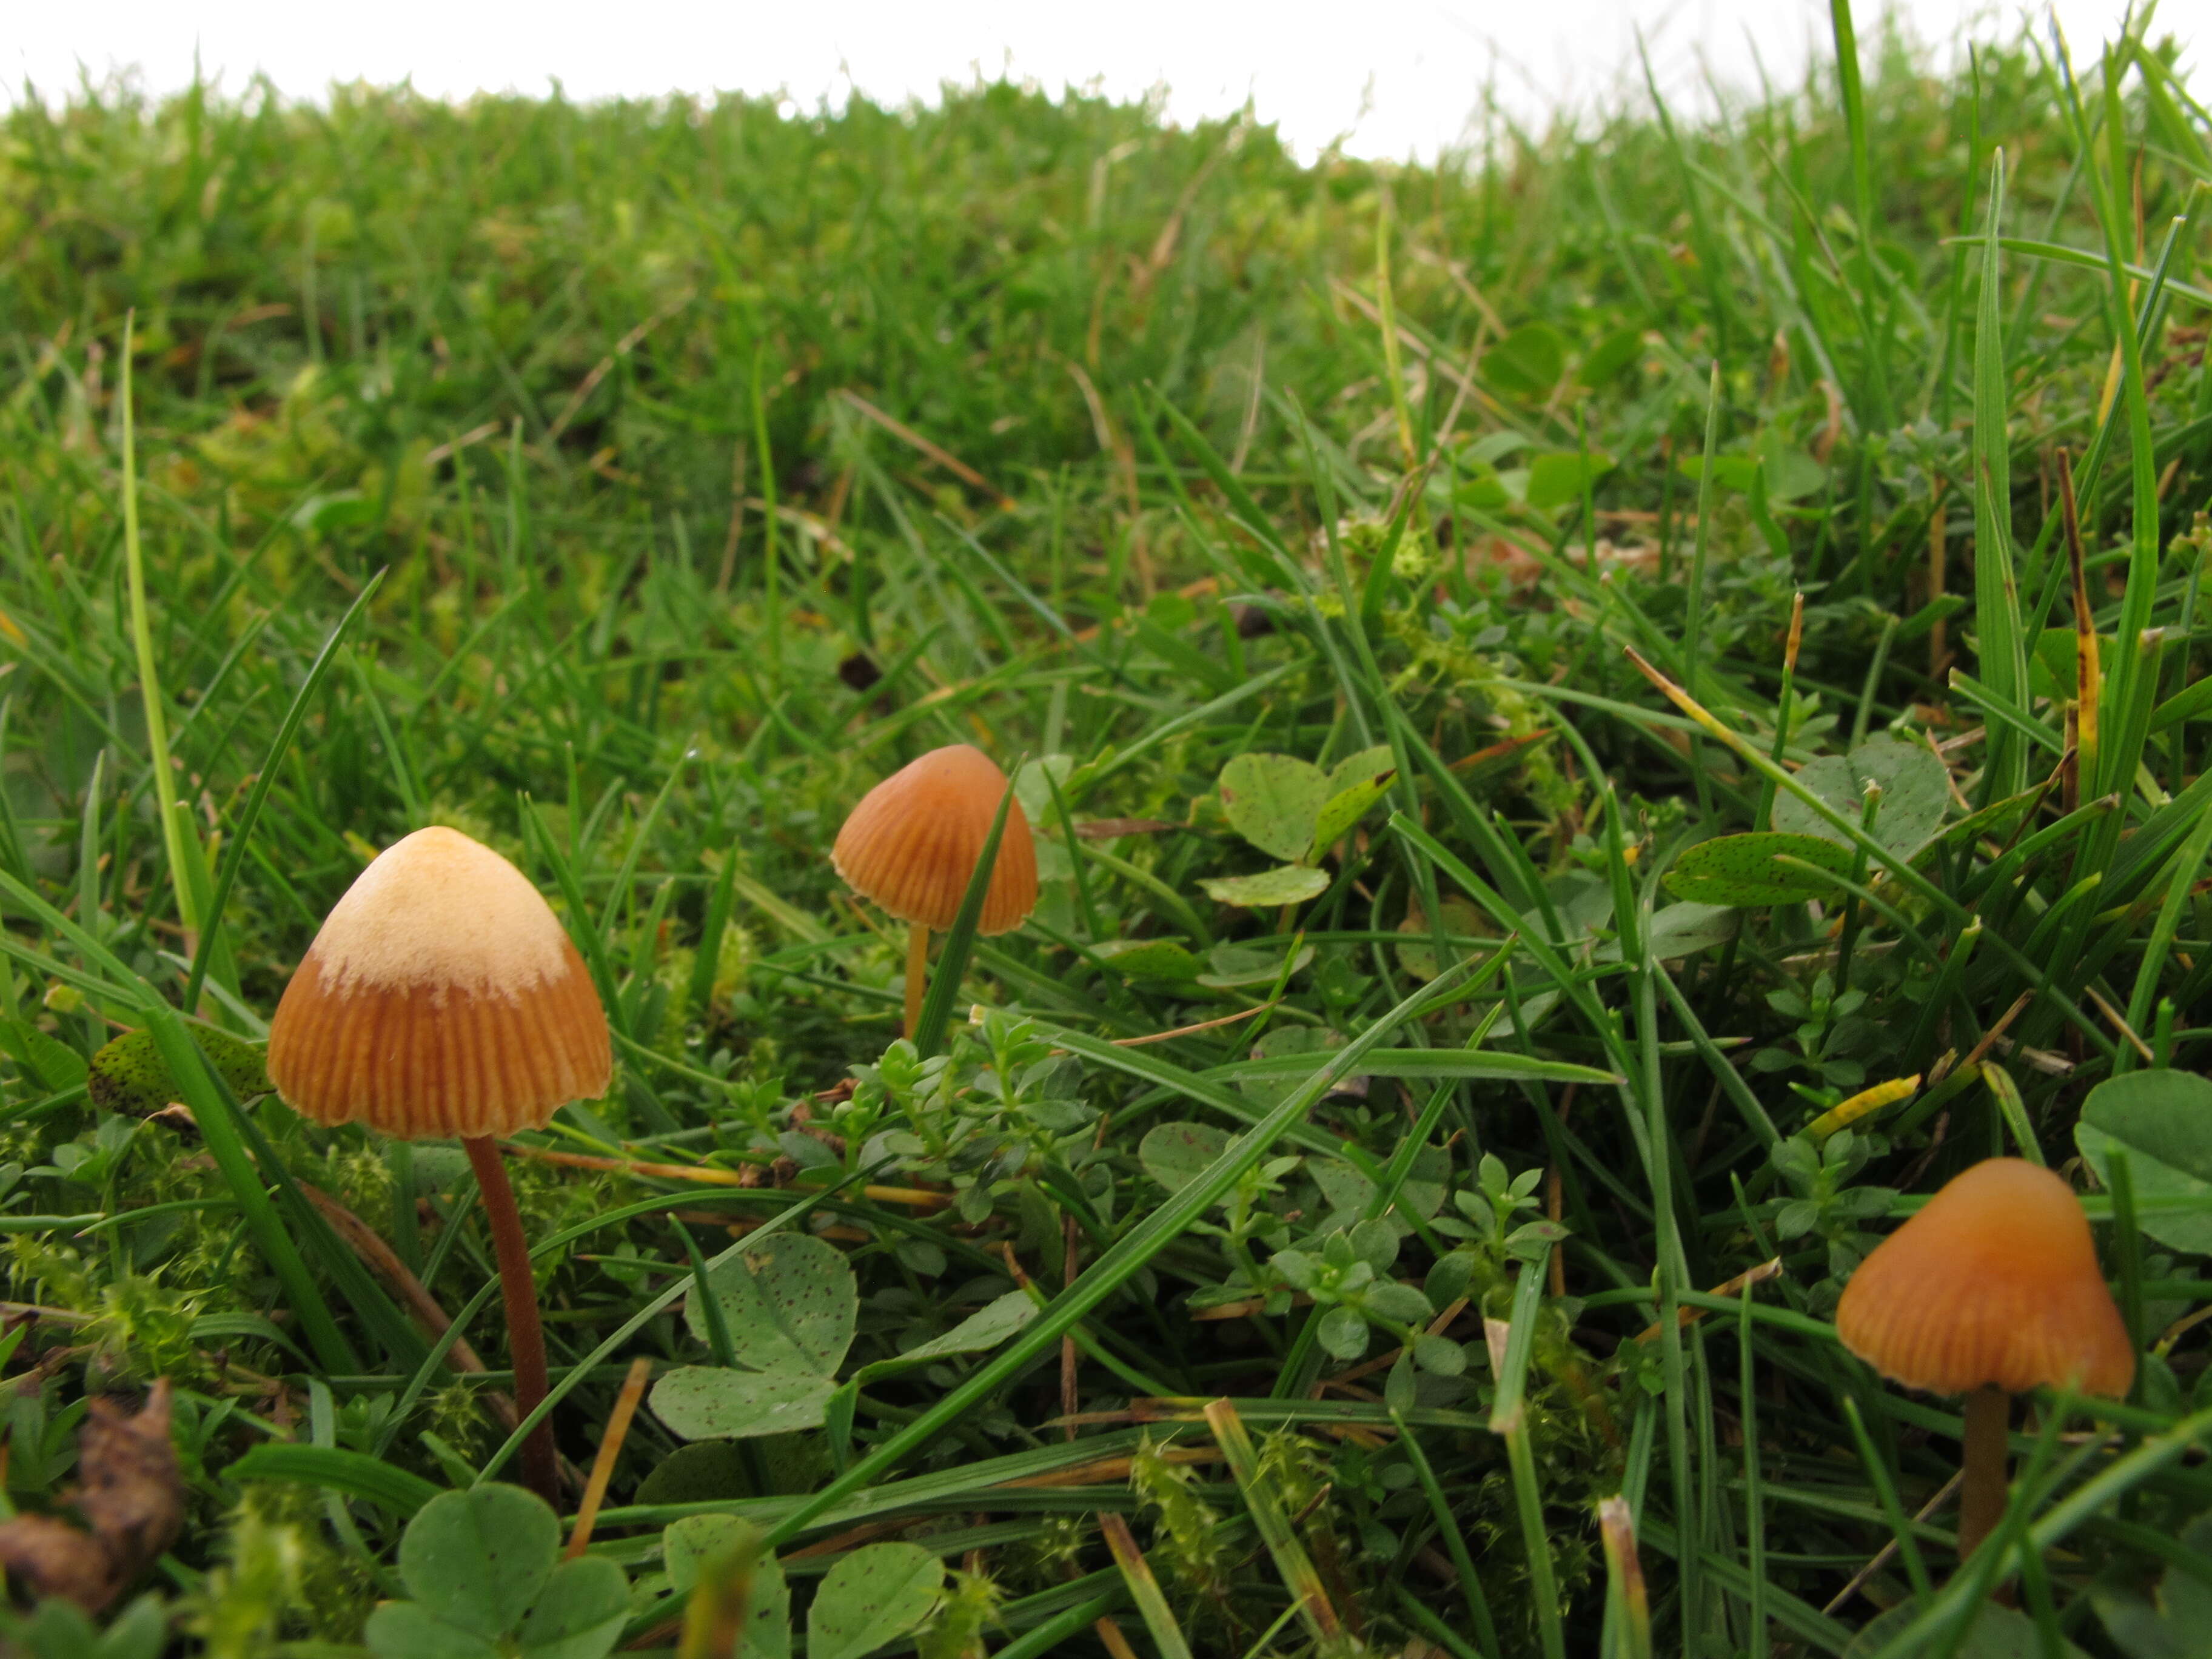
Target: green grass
[632, 485]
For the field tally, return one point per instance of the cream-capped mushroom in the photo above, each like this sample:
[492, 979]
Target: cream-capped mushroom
[443, 997]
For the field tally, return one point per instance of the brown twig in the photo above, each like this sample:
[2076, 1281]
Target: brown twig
[1758, 1275]
[627, 344]
[1187, 1031]
[916, 1198]
[1883, 1556]
[905, 435]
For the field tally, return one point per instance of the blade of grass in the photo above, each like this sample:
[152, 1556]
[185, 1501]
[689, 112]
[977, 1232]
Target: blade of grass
[1144, 1593]
[174, 829]
[960, 939]
[1292, 1563]
[2003, 650]
[1455, 1539]
[241, 835]
[1509, 1350]
[700, 989]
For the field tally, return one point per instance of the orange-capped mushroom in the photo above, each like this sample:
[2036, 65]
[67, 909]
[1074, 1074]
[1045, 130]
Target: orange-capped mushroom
[912, 844]
[443, 997]
[1992, 1289]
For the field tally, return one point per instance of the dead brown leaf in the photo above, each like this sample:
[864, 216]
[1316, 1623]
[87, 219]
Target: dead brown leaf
[132, 1501]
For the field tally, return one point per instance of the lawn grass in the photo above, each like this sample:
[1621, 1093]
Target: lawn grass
[632, 485]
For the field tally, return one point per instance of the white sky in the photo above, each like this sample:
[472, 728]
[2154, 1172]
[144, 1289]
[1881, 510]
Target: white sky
[1393, 77]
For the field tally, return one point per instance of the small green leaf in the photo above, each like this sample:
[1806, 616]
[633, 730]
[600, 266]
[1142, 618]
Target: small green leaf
[1346, 807]
[1355, 769]
[1150, 958]
[1288, 884]
[52, 1064]
[687, 1544]
[1737, 473]
[702, 1473]
[1233, 967]
[985, 1328]
[581, 1613]
[1792, 474]
[1743, 870]
[60, 1629]
[1418, 956]
[871, 1598]
[1916, 791]
[2174, 1626]
[1272, 1073]
[1343, 1333]
[1611, 354]
[1034, 791]
[2163, 1121]
[1176, 1154]
[789, 1303]
[1274, 802]
[1558, 480]
[708, 1402]
[1685, 928]
[2167, 1116]
[702, 1543]
[477, 1558]
[408, 1630]
[1528, 362]
[1440, 1355]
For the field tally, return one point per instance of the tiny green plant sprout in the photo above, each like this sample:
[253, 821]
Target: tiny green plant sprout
[912, 843]
[442, 997]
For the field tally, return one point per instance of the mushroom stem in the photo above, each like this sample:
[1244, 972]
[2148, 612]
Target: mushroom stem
[525, 1338]
[1982, 1492]
[917, 973]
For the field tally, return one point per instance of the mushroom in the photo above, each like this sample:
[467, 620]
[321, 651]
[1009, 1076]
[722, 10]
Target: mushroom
[912, 843]
[1992, 1289]
[442, 997]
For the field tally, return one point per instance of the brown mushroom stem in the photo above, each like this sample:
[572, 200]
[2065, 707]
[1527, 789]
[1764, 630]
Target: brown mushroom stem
[525, 1337]
[1982, 1491]
[917, 973]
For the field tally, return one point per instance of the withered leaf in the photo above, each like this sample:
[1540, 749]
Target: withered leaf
[132, 1502]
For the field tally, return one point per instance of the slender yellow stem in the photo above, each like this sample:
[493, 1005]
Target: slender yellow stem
[1982, 1493]
[603, 1466]
[917, 973]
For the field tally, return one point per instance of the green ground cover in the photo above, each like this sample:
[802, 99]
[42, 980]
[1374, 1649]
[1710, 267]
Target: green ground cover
[1384, 577]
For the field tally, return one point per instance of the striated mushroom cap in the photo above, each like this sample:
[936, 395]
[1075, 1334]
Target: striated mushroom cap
[1993, 1284]
[442, 997]
[912, 842]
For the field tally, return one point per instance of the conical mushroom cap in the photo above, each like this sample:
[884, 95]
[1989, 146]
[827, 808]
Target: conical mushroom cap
[1993, 1284]
[442, 997]
[912, 842]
